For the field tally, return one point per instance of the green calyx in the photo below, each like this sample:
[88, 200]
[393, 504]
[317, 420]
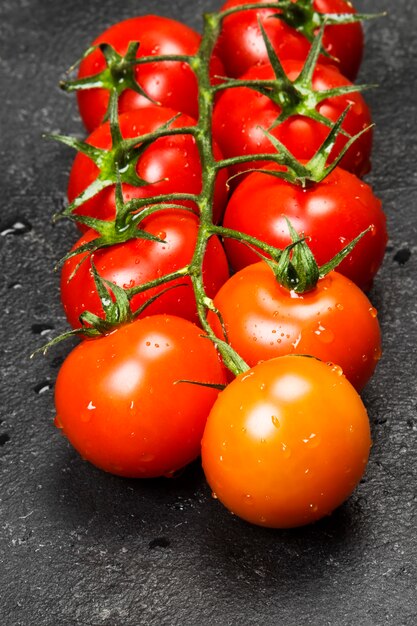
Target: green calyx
[119, 163]
[295, 97]
[119, 74]
[125, 227]
[317, 168]
[115, 303]
[116, 309]
[302, 16]
[294, 171]
[297, 269]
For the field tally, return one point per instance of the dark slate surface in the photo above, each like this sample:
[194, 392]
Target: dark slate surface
[79, 547]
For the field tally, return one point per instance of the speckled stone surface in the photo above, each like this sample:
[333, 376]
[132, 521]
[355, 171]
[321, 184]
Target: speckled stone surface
[81, 548]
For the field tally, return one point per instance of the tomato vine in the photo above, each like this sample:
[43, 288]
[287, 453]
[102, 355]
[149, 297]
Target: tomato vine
[118, 166]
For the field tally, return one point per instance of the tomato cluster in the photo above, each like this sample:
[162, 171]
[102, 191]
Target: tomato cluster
[258, 371]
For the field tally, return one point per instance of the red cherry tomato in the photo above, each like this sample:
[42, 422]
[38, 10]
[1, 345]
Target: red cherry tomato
[118, 403]
[170, 83]
[335, 322]
[241, 114]
[138, 261]
[170, 164]
[241, 44]
[332, 213]
[286, 442]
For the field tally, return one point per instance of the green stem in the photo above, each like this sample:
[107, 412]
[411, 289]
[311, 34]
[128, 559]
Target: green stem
[203, 137]
[228, 233]
[133, 291]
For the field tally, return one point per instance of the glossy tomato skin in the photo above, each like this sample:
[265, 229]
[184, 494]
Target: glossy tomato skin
[241, 114]
[170, 83]
[241, 44]
[331, 213]
[286, 442]
[118, 404]
[170, 164]
[138, 261]
[334, 322]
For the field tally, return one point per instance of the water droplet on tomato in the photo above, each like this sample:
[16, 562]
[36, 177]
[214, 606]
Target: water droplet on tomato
[171, 474]
[245, 377]
[336, 368]
[275, 421]
[324, 334]
[313, 508]
[373, 311]
[296, 342]
[313, 440]
[146, 457]
[377, 354]
[214, 495]
[58, 423]
[339, 306]
[364, 357]
[286, 452]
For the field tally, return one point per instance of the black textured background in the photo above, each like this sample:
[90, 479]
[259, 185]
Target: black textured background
[79, 547]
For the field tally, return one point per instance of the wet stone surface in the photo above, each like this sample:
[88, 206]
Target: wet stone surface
[81, 548]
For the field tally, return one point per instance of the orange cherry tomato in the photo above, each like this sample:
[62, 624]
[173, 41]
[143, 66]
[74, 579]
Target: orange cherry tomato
[334, 322]
[286, 442]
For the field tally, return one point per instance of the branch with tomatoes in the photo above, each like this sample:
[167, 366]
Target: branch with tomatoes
[227, 153]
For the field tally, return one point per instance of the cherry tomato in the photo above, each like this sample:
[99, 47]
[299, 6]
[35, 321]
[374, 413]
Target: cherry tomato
[335, 322]
[170, 83]
[241, 114]
[241, 44]
[118, 403]
[286, 442]
[170, 164]
[332, 213]
[138, 261]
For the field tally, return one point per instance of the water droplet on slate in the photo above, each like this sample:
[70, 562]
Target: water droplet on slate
[42, 387]
[4, 438]
[41, 329]
[402, 256]
[17, 228]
